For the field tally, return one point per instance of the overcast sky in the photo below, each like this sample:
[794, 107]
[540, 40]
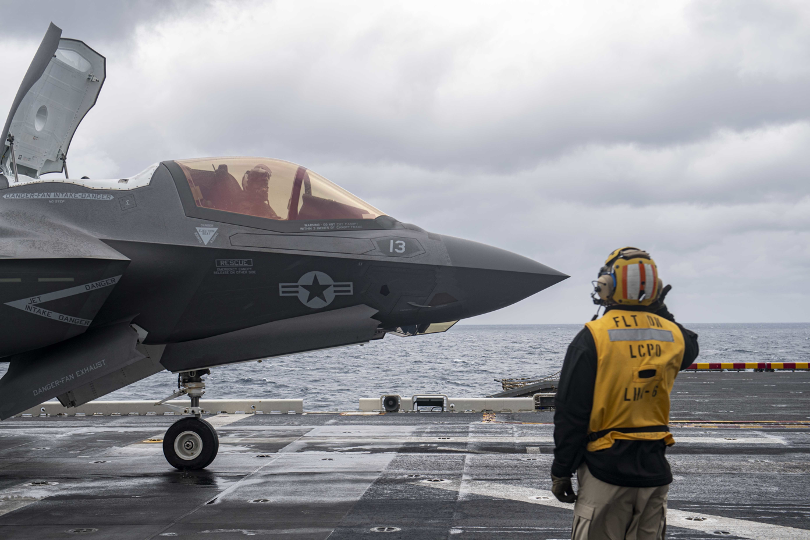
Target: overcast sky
[558, 130]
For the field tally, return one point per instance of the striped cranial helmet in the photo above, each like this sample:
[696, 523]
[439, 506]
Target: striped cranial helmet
[628, 278]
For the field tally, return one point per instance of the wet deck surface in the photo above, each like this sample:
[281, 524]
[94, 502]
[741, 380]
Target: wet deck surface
[423, 475]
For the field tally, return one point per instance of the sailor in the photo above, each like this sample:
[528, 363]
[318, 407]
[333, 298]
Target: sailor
[612, 406]
[256, 186]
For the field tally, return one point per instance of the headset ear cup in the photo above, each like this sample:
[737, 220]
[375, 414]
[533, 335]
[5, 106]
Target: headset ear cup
[605, 287]
[658, 288]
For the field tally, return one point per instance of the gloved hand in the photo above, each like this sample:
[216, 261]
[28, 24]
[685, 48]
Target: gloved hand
[562, 489]
[664, 293]
[659, 307]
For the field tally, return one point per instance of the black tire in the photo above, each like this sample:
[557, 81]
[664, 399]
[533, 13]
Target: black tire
[190, 444]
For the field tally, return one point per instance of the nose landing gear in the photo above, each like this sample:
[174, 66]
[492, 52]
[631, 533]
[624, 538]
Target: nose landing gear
[191, 443]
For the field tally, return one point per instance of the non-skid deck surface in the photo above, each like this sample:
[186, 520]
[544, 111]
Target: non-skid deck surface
[415, 475]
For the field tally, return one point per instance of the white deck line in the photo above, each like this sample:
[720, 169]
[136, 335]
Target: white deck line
[478, 439]
[124, 408]
[217, 421]
[675, 518]
[19, 496]
[224, 419]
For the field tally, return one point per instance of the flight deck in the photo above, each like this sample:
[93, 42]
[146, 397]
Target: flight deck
[740, 465]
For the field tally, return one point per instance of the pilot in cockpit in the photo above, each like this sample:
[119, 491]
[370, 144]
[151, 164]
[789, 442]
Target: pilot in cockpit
[256, 186]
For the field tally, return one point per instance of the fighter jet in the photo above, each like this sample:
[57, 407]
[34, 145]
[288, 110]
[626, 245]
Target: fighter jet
[197, 263]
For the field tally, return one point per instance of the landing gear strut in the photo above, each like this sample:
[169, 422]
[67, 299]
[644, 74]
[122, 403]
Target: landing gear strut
[191, 443]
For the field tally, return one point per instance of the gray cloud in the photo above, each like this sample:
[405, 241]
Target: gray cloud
[425, 99]
[559, 131]
[97, 21]
[402, 89]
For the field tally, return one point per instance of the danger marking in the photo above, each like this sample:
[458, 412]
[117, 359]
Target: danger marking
[31, 304]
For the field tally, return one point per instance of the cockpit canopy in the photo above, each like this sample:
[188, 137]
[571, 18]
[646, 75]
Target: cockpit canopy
[60, 87]
[270, 188]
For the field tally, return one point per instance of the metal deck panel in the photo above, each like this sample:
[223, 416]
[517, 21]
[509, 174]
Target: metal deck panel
[430, 475]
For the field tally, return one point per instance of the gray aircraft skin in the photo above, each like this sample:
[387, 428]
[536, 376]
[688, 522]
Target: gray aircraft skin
[105, 282]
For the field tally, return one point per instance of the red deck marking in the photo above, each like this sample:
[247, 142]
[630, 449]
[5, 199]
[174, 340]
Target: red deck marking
[750, 365]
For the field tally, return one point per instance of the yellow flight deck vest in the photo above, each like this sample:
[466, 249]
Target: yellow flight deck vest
[638, 357]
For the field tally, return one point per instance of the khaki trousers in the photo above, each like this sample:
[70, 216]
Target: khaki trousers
[607, 512]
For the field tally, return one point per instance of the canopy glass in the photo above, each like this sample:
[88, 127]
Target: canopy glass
[270, 188]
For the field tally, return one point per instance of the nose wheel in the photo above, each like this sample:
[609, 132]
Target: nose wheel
[191, 443]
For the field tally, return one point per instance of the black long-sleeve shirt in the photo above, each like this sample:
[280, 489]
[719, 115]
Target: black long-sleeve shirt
[626, 463]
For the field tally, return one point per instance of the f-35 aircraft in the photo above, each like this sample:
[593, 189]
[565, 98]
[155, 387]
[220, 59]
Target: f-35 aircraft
[197, 263]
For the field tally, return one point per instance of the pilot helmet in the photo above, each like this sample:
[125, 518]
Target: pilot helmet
[260, 174]
[628, 278]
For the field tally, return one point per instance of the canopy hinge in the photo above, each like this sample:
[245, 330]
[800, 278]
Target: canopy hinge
[10, 139]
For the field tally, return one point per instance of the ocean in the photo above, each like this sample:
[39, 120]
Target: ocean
[465, 361]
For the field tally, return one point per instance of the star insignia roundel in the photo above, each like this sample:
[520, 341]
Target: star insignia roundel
[316, 289]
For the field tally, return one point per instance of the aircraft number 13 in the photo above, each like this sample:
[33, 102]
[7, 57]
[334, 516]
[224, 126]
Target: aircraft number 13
[396, 246]
[392, 246]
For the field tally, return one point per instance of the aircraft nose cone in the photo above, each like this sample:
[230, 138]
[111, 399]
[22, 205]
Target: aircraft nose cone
[469, 254]
[492, 278]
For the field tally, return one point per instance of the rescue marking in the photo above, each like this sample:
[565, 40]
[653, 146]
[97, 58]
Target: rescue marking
[30, 304]
[226, 263]
[316, 289]
[640, 334]
[234, 267]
